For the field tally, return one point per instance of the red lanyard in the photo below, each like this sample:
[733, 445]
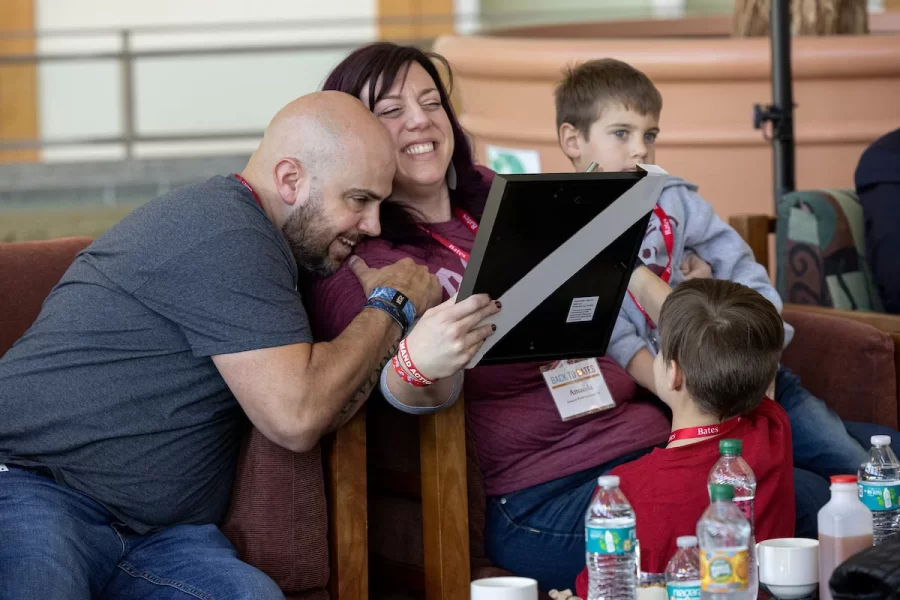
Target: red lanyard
[669, 240]
[690, 433]
[465, 218]
[247, 185]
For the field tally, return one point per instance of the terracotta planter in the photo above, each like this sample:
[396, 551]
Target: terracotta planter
[847, 91]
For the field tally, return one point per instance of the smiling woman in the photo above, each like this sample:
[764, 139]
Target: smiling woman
[529, 457]
[435, 169]
[413, 114]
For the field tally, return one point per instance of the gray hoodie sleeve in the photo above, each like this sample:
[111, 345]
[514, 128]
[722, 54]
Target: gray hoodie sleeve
[727, 253]
[626, 340]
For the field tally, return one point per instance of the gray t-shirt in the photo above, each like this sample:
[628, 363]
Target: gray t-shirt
[113, 387]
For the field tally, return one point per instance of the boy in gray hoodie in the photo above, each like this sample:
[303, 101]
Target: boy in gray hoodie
[608, 112]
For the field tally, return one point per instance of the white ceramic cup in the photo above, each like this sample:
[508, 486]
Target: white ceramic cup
[789, 567]
[504, 588]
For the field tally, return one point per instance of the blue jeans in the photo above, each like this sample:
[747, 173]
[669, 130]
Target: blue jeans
[823, 446]
[58, 543]
[538, 532]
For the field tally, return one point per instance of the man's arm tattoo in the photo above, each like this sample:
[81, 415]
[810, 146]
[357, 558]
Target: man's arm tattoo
[368, 385]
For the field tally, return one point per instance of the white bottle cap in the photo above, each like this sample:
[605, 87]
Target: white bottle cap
[687, 541]
[608, 481]
[881, 440]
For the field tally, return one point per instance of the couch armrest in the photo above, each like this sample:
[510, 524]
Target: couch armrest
[851, 365]
[445, 510]
[278, 519]
[346, 481]
[282, 520]
[889, 324]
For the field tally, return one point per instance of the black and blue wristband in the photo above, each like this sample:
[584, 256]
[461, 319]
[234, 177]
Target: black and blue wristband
[395, 304]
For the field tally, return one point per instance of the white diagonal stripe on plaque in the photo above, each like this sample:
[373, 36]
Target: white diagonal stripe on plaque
[564, 262]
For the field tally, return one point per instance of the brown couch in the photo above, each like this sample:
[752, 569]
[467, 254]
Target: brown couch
[283, 521]
[278, 517]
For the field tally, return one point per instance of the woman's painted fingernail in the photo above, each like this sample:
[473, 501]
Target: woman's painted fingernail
[497, 302]
[493, 327]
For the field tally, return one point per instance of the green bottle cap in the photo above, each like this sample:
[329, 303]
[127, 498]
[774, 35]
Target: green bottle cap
[721, 491]
[731, 446]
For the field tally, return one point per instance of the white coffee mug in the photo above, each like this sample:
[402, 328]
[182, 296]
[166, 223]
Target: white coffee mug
[789, 567]
[504, 588]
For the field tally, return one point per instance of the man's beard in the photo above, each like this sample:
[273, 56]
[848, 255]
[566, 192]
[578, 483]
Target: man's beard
[307, 233]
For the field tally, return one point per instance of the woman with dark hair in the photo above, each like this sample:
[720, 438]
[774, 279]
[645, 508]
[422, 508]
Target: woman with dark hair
[539, 471]
[460, 180]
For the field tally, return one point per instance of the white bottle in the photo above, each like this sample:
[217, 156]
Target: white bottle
[724, 535]
[611, 544]
[879, 487]
[683, 570]
[845, 528]
[731, 469]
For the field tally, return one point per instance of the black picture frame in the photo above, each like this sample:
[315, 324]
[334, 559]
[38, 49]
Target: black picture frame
[528, 217]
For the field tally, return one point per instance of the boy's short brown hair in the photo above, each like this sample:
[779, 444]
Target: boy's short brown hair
[589, 87]
[727, 340]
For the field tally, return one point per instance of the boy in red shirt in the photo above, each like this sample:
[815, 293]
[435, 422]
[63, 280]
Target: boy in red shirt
[720, 343]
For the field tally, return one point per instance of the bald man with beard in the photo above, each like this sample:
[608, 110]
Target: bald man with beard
[123, 403]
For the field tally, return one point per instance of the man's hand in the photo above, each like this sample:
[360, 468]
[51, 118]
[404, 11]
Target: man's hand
[695, 267]
[420, 286]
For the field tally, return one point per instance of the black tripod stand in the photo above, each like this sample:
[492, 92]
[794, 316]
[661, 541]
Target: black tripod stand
[781, 112]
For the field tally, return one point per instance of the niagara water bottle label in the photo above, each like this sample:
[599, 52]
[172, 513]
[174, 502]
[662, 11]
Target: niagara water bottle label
[687, 589]
[724, 571]
[746, 507]
[601, 540]
[880, 495]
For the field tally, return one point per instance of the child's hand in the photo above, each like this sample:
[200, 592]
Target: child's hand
[695, 267]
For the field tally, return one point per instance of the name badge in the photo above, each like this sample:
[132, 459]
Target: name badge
[577, 387]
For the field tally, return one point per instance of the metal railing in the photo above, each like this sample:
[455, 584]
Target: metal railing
[126, 58]
[127, 55]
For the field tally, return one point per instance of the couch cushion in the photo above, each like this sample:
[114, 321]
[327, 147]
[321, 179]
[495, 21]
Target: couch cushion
[820, 250]
[29, 270]
[278, 518]
[849, 365]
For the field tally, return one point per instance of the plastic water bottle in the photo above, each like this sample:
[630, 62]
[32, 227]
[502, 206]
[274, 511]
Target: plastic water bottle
[731, 469]
[683, 571]
[724, 535]
[610, 543]
[879, 487]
